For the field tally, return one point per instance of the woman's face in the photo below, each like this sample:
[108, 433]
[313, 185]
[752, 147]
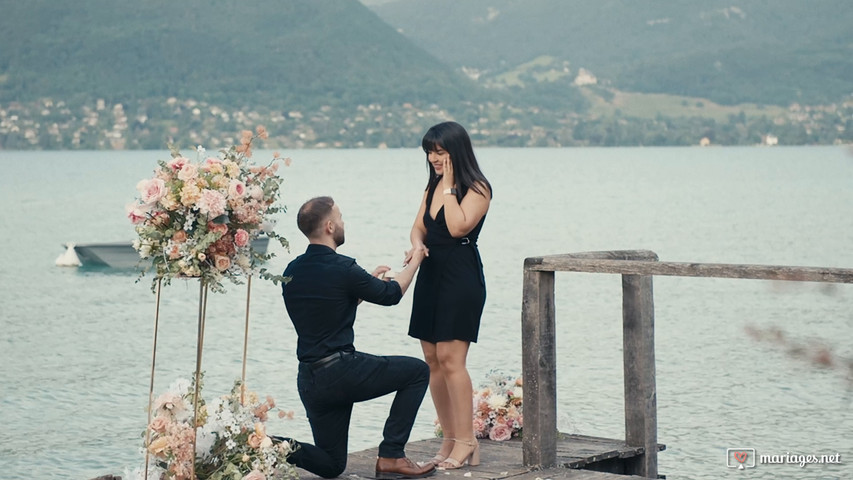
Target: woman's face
[437, 158]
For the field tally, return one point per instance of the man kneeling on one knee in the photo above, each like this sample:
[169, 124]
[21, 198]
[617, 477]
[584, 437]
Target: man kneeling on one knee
[321, 295]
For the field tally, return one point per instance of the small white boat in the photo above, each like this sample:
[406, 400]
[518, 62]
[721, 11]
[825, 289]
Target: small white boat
[119, 255]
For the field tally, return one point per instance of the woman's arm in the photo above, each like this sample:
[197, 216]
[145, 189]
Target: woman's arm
[462, 217]
[418, 233]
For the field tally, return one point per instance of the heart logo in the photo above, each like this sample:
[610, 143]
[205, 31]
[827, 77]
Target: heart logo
[740, 456]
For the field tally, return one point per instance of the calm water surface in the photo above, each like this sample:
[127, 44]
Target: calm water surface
[75, 346]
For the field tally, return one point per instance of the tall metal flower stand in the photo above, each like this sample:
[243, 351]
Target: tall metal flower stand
[202, 316]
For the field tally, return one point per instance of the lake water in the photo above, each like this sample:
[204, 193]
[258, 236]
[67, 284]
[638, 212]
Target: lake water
[75, 346]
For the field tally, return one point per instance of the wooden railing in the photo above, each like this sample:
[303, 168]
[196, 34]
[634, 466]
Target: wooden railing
[637, 268]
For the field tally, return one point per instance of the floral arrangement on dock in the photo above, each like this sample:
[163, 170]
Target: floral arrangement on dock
[231, 440]
[199, 218]
[498, 408]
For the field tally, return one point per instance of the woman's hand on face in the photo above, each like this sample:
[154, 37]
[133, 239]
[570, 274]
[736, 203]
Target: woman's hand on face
[447, 179]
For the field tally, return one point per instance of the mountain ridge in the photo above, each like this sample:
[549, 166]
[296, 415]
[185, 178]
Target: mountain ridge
[731, 51]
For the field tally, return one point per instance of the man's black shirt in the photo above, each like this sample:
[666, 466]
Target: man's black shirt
[322, 296]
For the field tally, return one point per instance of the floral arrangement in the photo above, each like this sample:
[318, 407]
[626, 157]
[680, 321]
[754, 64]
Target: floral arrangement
[231, 439]
[498, 408]
[198, 219]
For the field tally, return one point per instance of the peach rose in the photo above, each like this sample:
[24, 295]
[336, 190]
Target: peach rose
[254, 440]
[219, 228]
[180, 236]
[499, 433]
[241, 237]
[158, 446]
[213, 165]
[221, 262]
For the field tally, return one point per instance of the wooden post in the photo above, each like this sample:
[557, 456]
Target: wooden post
[539, 362]
[638, 337]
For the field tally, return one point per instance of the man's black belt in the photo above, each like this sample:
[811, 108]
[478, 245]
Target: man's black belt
[329, 359]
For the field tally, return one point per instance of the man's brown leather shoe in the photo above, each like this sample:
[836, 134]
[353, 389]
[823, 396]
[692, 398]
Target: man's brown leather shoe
[394, 468]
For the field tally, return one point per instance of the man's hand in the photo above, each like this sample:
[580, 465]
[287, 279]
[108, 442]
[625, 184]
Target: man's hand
[380, 271]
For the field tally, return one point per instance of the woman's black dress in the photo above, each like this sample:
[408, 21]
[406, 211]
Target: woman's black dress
[450, 290]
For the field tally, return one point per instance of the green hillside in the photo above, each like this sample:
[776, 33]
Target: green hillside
[729, 51]
[276, 53]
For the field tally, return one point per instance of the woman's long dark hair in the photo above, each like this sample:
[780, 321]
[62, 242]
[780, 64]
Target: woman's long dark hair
[453, 138]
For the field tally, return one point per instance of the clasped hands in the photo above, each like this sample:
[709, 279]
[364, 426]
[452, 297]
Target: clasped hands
[416, 254]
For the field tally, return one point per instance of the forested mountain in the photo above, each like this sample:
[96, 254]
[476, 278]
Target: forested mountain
[95, 74]
[287, 53]
[729, 51]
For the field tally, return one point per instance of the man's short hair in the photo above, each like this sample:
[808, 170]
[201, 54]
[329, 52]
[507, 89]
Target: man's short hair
[313, 213]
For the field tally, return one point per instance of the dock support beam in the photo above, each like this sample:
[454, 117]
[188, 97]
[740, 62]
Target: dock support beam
[638, 353]
[539, 369]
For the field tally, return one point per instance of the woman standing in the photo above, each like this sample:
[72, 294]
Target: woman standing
[451, 290]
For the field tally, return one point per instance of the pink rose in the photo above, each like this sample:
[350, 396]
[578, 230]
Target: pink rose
[221, 262]
[211, 203]
[152, 190]
[479, 427]
[500, 433]
[188, 172]
[255, 475]
[236, 189]
[241, 237]
[178, 163]
[159, 424]
[137, 213]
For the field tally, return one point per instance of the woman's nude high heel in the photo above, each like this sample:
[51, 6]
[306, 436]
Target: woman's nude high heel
[438, 458]
[472, 459]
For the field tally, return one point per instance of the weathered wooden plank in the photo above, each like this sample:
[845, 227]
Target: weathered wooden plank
[638, 340]
[539, 362]
[564, 263]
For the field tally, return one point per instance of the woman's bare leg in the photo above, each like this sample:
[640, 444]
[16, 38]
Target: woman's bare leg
[440, 398]
[452, 357]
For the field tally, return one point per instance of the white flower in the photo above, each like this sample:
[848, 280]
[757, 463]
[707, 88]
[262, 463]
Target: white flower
[268, 226]
[496, 401]
[255, 192]
[204, 442]
[200, 150]
[518, 392]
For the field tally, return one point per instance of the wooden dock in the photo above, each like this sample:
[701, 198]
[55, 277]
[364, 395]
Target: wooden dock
[578, 458]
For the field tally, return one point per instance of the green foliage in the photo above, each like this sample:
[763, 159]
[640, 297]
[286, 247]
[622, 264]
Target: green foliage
[285, 54]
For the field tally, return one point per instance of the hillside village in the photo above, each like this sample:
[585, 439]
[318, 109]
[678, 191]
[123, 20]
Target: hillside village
[56, 124]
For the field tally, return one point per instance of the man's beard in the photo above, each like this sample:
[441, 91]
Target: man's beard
[338, 237]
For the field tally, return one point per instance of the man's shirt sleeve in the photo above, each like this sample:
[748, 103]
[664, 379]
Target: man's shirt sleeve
[371, 289]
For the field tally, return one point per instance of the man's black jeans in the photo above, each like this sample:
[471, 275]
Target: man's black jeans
[328, 393]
